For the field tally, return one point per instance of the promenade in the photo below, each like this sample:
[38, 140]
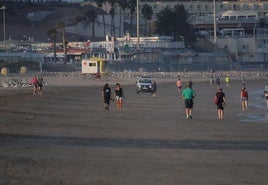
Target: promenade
[65, 137]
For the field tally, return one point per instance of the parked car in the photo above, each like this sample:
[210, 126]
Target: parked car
[144, 84]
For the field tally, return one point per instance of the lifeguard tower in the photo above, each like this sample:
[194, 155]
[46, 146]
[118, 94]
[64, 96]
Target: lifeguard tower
[96, 66]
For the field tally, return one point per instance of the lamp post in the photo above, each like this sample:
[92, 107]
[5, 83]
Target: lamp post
[4, 24]
[138, 27]
[214, 20]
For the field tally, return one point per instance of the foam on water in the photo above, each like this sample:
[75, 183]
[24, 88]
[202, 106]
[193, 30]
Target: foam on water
[257, 101]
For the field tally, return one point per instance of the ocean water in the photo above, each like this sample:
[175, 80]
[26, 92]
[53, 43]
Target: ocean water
[256, 101]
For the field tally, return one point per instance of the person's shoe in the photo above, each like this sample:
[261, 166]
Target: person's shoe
[190, 117]
[187, 117]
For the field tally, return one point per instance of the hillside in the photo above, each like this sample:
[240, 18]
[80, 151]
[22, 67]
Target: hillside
[34, 20]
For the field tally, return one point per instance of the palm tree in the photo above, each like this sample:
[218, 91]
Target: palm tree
[52, 34]
[132, 6]
[89, 18]
[147, 12]
[99, 4]
[61, 26]
[112, 13]
[123, 4]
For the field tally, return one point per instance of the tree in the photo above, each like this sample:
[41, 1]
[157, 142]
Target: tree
[61, 26]
[174, 22]
[181, 28]
[165, 22]
[88, 19]
[132, 7]
[99, 4]
[112, 13]
[147, 12]
[52, 34]
[123, 4]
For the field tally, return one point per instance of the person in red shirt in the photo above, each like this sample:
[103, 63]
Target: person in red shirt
[35, 85]
[244, 99]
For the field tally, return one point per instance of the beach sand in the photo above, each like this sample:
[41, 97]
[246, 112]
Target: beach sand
[65, 137]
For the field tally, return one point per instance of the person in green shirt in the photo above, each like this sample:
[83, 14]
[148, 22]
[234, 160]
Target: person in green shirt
[188, 95]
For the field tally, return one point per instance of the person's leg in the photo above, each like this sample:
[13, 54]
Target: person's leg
[246, 105]
[243, 105]
[190, 113]
[120, 103]
[117, 103]
[219, 113]
[187, 113]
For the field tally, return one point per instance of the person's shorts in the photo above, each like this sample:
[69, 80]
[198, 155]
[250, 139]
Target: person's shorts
[266, 97]
[189, 103]
[220, 106]
[244, 99]
[107, 100]
[118, 98]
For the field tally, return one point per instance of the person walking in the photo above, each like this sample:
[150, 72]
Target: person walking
[188, 95]
[106, 95]
[227, 81]
[220, 101]
[211, 81]
[153, 89]
[179, 85]
[40, 84]
[34, 82]
[218, 82]
[118, 96]
[244, 99]
[266, 95]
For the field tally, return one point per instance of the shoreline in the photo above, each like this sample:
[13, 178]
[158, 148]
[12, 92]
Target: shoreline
[127, 78]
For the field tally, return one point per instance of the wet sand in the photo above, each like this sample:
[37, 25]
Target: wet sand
[65, 137]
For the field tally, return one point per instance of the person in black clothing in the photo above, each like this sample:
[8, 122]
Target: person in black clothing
[153, 89]
[106, 95]
[118, 96]
[220, 103]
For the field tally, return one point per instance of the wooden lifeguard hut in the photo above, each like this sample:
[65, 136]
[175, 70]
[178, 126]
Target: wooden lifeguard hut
[95, 65]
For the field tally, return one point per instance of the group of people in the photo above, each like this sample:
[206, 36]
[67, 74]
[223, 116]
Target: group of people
[188, 95]
[217, 81]
[37, 83]
[116, 96]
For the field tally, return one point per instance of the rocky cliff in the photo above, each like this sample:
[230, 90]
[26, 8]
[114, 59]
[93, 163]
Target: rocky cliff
[27, 20]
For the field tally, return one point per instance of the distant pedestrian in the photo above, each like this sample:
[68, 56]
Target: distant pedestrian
[220, 101]
[106, 95]
[218, 82]
[179, 85]
[227, 81]
[188, 95]
[244, 99]
[34, 83]
[266, 96]
[153, 88]
[211, 82]
[118, 96]
[40, 84]
[243, 82]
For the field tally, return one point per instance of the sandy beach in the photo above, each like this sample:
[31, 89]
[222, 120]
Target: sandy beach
[65, 137]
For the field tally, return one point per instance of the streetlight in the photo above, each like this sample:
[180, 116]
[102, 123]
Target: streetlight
[4, 24]
[214, 20]
[138, 27]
